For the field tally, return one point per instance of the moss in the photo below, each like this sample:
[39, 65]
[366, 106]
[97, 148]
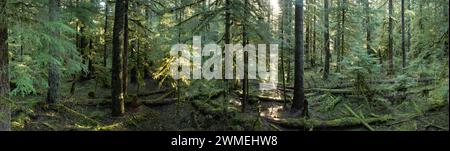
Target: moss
[335, 123]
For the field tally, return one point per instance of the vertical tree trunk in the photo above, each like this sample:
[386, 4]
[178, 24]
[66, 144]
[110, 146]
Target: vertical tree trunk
[313, 35]
[391, 39]
[4, 68]
[368, 29]
[227, 38]
[313, 61]
[125, 52]
[326, 41]
[105, 34]
[342, 41]
[408, 45]
[244, 43]
[283, 15]
[299, 102]
[53, 69]
[403, 36]
[118, 107]
[4, 56]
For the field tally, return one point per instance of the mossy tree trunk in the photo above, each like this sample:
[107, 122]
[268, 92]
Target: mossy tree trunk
[118, 107]
[53, 69]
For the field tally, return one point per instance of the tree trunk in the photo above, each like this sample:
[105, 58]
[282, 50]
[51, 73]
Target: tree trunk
[368, 29]
[244, 43]
[53, 69]
[105, 45]
[282, 54]
[4, 68]
[313, 35]
[403, 36]
[327, 41]
[118, 108]
[313, 61]
[227, 38]
[125, 52]
[4, 56]
[391, 39]
[342, 41]
[299, 102]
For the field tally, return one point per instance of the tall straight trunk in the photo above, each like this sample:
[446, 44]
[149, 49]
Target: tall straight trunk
[4, 56]
[299, 102]
[53, 69]
[125, 52]
[118, 107]
[408, 44]
[244, 43]
[312, 35]
[105, 34]
[342, 41]
[4, 69]
[391, 39]
[313, 61]
[326, 41]
[403, 36]
[283, 76]
[227, 38]
[307, 34]
[368, 32]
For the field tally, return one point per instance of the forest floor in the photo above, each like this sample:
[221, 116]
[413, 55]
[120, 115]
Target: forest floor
[156, 109]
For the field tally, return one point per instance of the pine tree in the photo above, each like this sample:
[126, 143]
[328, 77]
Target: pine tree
[4, 58]
[299, 102]
[53, 69]
[326, 46]
[118, 107]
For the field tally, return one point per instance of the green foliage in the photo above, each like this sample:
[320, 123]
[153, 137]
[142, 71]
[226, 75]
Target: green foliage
[359, 68]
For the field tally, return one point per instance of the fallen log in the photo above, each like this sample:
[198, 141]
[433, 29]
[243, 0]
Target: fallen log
[348, 85]
[161, 101]
[159, 91]
[346, 122]
[62, 108]
[132, 119]
[153, 93]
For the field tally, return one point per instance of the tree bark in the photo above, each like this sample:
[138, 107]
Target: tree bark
[105, 45]
[125, 52]
[327, 41]
[299, 103]
[403, 36]
[227, 37]
[391, 39]
[53, 69]
[4, 69]
[244, 43]
[118, 107]
[368, 29]
[4, 56]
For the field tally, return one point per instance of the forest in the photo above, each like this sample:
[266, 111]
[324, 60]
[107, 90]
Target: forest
[106, 65]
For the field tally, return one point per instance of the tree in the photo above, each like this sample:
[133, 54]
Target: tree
[299, 102]
[4, 58]
[403, 36]
[118, 107]
[326, 71]
[390, 51]
[105, 45]
[125, 52]
[4, 66]
[53, 69]
[368, 29]
[244, 43]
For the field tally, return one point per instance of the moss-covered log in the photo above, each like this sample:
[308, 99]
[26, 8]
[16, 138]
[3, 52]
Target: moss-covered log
[346, 122]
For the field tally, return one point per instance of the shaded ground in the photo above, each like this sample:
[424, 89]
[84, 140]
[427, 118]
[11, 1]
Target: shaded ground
[328, 111]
